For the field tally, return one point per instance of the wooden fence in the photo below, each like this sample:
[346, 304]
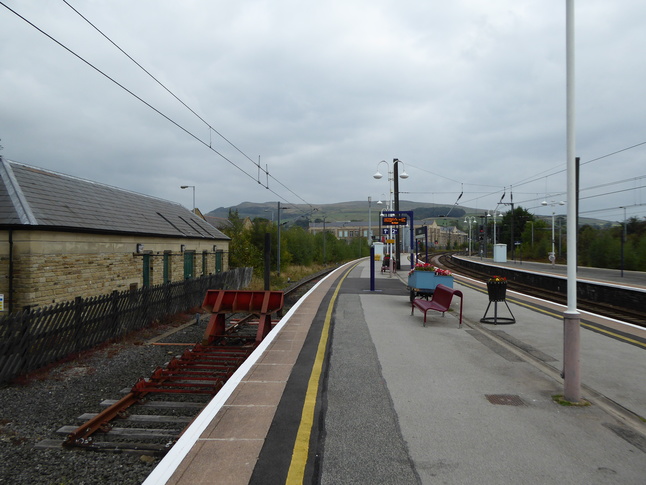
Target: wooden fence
[34, 338]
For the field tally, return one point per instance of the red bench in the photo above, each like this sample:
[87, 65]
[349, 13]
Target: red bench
[441, 302]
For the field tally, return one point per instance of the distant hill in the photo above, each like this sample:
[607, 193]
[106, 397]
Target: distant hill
[356, 211]
[340, 211]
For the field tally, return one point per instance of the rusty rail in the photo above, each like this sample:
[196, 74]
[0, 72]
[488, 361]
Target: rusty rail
[203, 369]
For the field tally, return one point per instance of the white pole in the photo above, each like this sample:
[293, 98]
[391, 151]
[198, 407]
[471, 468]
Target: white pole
[278, 237]
[571, 317]
[494, 230]
[469, 221]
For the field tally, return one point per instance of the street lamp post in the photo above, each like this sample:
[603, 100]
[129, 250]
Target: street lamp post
[470, 220]
[390, 235]
[487, 230]
[324, 258]
[495, 216]
[380, 203]
[623, 241]
[278, 237]
[395, 178]
[552, 203]
[192, 187]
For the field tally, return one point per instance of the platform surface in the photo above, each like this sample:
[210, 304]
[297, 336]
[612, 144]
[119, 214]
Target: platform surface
[397, 402]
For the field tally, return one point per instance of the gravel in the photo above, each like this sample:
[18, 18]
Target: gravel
[35, 407]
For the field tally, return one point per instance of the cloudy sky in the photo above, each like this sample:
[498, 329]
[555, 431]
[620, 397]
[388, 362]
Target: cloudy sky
[468, 94]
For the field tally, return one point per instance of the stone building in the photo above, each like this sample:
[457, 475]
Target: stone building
[63, 237]
[345, 230]
[438, 236]
[441, 236]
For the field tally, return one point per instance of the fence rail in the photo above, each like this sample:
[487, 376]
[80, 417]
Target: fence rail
[34, 338]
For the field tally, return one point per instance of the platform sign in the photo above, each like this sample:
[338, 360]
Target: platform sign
[1, 303]
[394, 220]
[387, 232]
[390, 241]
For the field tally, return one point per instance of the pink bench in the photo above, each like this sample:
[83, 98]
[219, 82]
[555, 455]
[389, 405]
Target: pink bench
[441, 302]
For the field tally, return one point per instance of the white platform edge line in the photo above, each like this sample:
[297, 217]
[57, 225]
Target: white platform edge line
[167, 466]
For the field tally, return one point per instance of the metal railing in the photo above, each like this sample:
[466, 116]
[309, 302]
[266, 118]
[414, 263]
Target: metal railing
[33, 338]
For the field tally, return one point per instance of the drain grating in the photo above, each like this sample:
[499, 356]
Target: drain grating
[505, 399]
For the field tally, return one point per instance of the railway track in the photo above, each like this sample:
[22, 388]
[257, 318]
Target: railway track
[601, 308]
[154, 412]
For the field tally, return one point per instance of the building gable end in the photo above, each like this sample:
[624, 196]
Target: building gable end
[15, 195]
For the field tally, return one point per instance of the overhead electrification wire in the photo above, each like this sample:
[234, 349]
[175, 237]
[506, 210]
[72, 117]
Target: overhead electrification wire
[211, 128]
[161, 84]
[608, 184]
[535, 178]
[546, 173]
[560, 168]
[612, 209]
[614, 153]
[556, 170]
[613, 192]
[259, 167]
[209, 144]
[122, 87]
[168, 118]
[435, 174]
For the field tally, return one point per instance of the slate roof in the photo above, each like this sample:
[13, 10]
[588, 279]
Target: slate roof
[31, 196]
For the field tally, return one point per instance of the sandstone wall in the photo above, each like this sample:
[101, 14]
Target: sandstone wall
[50, 267]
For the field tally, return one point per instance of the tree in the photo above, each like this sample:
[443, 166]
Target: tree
[640, 255]
[302, 222]
[242, 252]
[519, 218]
[636, 228]
[535, 239]
[300, 245]
[604, 251]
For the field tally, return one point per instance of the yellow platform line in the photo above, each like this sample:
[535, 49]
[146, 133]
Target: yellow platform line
[297, 466]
